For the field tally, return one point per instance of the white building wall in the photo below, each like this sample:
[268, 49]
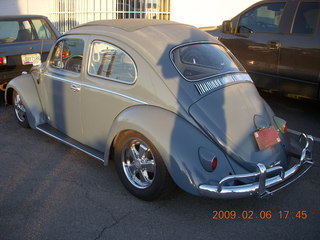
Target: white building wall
[14, 7]
[203, 13]
[200, 13]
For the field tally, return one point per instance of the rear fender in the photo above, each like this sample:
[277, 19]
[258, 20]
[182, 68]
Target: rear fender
[27, 90]
[178, 142]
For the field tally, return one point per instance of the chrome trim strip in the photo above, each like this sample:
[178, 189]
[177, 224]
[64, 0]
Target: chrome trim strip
[115, 93]
[61, 79]
[96, 88]
[69, 144]
[260, 188]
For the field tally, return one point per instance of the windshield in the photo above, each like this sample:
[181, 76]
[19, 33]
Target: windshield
[203, 60]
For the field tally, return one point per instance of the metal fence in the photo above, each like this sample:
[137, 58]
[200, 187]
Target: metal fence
[66, 14]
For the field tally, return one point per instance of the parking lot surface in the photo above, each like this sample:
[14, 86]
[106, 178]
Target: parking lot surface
[51, 191]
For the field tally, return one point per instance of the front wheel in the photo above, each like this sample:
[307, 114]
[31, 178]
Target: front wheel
[20, 110]
[140, 167]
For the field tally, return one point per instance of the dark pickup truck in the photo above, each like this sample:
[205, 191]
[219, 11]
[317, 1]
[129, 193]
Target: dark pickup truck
[278, 42]
[24, 40]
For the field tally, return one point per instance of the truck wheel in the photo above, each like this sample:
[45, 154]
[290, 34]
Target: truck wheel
[140, 167]
[20, 110]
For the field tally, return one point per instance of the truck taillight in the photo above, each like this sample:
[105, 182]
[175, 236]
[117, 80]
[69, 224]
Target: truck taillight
[3, 60]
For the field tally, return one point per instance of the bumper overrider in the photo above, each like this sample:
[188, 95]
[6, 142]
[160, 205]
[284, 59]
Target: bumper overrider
[265, 185]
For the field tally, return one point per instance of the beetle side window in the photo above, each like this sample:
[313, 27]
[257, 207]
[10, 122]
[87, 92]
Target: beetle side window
[110, 62]
[307, 18]
[67, 54]
[263, 18]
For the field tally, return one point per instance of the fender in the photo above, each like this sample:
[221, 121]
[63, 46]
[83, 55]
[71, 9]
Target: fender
[27, 90]
[178, 142]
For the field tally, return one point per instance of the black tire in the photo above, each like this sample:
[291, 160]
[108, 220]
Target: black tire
[140, 167]
[19, 110]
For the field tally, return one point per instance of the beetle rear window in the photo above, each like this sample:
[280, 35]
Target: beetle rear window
[203, 60]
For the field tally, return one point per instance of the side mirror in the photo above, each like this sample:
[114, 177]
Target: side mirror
[227, 27]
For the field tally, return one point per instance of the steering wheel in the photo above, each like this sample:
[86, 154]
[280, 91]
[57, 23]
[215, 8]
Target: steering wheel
[73, 63]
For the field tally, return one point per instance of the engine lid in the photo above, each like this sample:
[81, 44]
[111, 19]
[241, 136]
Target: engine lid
[231, 115]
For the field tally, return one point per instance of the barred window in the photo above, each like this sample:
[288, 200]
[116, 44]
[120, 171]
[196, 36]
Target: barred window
[66, 14]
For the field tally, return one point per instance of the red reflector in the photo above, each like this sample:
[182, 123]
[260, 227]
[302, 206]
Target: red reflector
[3, 60]
[285, 128]
[214, 163]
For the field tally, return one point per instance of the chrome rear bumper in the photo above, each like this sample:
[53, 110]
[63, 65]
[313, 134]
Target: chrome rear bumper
[264, 186]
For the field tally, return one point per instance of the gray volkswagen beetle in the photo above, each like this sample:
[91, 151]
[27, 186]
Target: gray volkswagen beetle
[168, 102]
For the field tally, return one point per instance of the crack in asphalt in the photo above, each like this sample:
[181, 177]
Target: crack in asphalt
[117, 221]
[87, 196]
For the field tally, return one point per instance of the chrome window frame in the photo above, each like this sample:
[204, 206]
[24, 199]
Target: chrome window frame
[240, 67]
[91, 86]
[108, 78]
[65, 38]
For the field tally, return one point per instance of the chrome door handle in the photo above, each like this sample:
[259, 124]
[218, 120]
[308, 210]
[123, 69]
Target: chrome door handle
[75, 88]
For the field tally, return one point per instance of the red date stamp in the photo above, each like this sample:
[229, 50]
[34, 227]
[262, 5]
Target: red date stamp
[263, 214]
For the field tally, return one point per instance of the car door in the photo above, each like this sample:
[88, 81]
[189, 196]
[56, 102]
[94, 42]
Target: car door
[107, 90]
[300, 52]
[62, 86]
[255, 41]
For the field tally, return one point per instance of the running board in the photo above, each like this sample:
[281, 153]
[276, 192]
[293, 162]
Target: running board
[52, 132]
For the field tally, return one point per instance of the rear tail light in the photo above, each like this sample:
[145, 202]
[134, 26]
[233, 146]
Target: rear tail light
[3, 60]
[214, 163]
[208, 159]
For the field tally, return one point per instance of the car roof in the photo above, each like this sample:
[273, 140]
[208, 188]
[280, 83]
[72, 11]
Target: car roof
[153, 39]
[129, 25]
[11, 17]
[127, 28]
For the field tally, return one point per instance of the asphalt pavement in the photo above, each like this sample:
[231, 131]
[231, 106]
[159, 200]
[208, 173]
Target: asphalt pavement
[51, 191]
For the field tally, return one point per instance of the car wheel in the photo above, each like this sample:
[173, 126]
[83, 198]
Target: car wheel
[20, 110]
[140, 167]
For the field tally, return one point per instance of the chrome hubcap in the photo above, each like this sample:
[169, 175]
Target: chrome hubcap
[138, 163]
[19, 108]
